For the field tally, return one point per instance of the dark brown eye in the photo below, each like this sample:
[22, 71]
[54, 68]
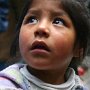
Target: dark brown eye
[59, 21]
[32, 20]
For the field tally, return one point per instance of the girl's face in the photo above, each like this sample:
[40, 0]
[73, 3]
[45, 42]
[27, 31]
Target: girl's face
[47, 36]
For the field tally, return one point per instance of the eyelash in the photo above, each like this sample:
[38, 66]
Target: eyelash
[32, 20]
[57, 21]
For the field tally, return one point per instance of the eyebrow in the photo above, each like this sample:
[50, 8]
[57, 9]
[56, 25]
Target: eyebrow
[54, 13]
[34, 11]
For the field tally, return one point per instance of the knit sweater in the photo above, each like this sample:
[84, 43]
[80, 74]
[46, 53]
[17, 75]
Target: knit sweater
[17, 77]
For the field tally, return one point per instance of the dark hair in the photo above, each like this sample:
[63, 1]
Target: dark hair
[15, 44]
[78, 13]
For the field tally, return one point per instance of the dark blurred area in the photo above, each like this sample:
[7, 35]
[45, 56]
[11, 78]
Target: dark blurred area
[9, 13]
[4, 10]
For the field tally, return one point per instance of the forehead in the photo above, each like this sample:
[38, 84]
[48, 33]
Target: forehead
[46, 4]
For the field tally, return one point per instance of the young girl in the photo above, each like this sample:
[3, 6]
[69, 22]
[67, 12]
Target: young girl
[53, 35]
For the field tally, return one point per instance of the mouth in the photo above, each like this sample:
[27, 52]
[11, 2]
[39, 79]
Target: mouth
[40, 45]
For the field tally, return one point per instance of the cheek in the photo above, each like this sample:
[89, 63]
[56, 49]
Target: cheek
[64, 43]
[24, 40]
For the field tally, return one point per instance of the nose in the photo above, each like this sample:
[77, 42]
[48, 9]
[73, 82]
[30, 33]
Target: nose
[42, 30]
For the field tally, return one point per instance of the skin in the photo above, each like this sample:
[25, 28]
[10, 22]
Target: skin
[46, 22]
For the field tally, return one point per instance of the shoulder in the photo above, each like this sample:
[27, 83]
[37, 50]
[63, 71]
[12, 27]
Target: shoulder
[11, 76]
[11, 71]
[75, 80]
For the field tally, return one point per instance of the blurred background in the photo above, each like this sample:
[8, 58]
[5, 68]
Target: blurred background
[9, 15]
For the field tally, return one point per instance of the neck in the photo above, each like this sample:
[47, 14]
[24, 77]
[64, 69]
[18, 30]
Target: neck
[49, 76]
